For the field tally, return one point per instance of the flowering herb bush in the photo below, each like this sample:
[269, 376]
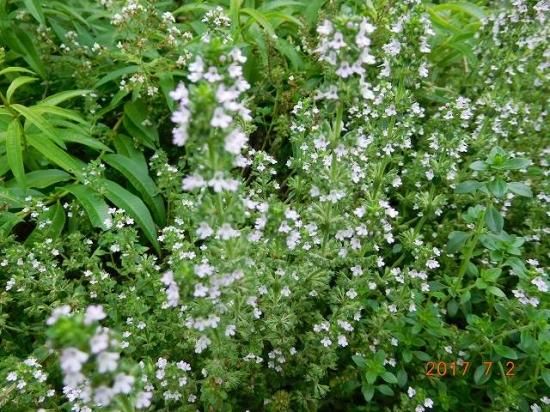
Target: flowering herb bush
[274, 205]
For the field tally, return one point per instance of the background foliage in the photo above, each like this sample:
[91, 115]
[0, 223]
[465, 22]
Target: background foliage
[384, 214]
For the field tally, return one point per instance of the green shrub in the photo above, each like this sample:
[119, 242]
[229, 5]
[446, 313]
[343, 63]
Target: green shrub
[274, 205]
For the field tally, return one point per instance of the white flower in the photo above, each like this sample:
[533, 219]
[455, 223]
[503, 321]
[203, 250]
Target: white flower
[220, 118]
[72, 359]
[204, 230]
[326, 342]
[94, 313]
[107, 362]
[103, 395]
[411, 392]
[428, 403]
[57, 313]
[342, 341]
[192, 182]
[202, 343]
[235, 141]
[143, 399]
[99, 342]
[12, 376]
[123, 383]
[230, 330]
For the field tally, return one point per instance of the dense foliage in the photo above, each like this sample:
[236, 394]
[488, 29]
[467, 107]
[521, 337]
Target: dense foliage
[287, 205]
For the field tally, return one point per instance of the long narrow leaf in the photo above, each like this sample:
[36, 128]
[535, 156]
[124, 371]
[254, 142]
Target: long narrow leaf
[18, 82]
[135, 207]
[96, 208]
[14, 150]
[56, 155]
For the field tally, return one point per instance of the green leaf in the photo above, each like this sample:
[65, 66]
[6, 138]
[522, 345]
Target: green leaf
[478, 165]
[520, 189]
[35, 9]
[371, 376]
[290, 52]
[514, 164]
[18, 82]
[141, 181]
[385, 390]
[368, 392]
[359, 361]
[8, 221]
[59, 111]
[505, 352]
[494, 220]
[20, 42]
[457, 240]
[60, 97]
[496, 291]
[479, 375]
[497, 187]
[47, 177]
[96, 208]
[452, 307]
[261, 20]
[56, 155]
[462, 7]
[546, 377]
[14, 69]
[57, 216]
[135, 207]
[14, 150]
[135, 114]
[469, 186]
[389, 377]
[115, 74]
[402, 377]
[36, 119]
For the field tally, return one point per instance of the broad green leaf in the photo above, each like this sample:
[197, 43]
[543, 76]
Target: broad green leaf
[389, 377]
[494, 220]
[14, 197]
[4, 165]
[497, 187]
[462, 7]
[385, 390]
[456, 241]
[8, 221]
[515, 164]
[478, 165]
[479, 375]
[56, 155]
[142, 182]
[290, 53]
[359, 361]
[311, 12]
[546, 377]
[368, 392]
[505, 352]
[469, 186]
[496, 291]
[135, 207]
[96, 208]
[60, 97]
[18, 82]
[520, 189]
[14, 150]
[44, 178]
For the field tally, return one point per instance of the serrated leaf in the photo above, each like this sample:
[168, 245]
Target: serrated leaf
[15, 84]
[494, 220]
[14, 150]
[96, 208]
[135, 207]
[520, 189]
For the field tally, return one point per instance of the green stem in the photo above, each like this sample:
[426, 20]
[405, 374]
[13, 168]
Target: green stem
[470, 250]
